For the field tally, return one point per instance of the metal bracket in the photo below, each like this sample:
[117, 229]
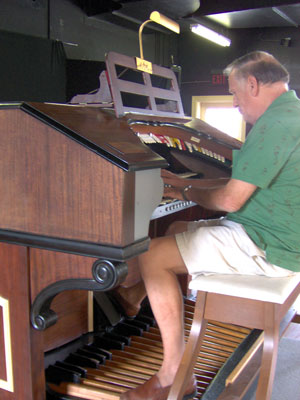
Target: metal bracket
[106, 276]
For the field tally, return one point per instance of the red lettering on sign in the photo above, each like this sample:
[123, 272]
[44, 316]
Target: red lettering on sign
[218, 79]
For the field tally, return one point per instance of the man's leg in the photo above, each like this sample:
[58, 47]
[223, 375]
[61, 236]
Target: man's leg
[131, 297]
[159, 266]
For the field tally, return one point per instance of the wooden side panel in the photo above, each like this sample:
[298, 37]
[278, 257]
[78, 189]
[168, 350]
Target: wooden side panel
[56, 187]
[250, 312]
[47, 267]
[71, 308]
[20, 347]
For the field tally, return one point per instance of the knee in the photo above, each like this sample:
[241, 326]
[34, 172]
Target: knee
[152, 259]
[163, 255]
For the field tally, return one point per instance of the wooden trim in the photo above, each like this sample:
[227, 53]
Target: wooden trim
[7, 384]
[78, 247]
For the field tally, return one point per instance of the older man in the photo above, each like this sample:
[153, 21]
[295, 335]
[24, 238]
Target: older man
[260, 234]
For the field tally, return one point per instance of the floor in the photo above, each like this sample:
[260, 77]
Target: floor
[293, 331]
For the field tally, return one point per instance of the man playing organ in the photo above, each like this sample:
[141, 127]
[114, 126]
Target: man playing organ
[260, 233]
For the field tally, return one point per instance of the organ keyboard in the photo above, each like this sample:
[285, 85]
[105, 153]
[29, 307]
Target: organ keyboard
[80, 185]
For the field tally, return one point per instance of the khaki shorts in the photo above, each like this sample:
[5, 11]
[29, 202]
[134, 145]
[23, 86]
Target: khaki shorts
[224, 247]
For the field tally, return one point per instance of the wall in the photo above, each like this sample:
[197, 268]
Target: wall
[203, 62]
[29, 30]
[87, 39]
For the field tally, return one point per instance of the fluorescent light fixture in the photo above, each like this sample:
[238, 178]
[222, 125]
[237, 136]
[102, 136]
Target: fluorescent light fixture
[210, 35]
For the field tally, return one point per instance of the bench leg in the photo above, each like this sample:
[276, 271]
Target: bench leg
[269, 356]
[193, 345]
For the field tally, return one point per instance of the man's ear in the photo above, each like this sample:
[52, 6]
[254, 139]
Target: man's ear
[253, 85]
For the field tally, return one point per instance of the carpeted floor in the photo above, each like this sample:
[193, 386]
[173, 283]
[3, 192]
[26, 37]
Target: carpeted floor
[287, 377]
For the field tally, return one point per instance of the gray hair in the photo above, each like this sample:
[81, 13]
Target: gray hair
[263, 66]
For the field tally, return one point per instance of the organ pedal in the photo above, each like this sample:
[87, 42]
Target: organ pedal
[113, 363]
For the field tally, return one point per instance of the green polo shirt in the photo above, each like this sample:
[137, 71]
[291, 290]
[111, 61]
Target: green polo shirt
[270, 159]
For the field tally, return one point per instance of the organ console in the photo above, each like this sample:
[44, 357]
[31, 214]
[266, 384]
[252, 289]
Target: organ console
[79, 186]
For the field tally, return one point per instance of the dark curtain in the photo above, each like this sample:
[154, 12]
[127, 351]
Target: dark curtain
[31, 69]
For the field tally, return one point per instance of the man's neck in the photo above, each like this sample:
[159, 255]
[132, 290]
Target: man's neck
[269, 93]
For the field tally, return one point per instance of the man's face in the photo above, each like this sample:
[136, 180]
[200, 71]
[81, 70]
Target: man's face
[241, 91]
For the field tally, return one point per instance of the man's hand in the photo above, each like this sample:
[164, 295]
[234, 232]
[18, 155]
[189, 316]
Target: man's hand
[221, 194]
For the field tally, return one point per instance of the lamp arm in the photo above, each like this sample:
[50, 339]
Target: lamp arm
[140, 37]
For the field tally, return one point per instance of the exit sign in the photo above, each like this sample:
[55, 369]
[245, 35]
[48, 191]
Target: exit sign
[218, 79]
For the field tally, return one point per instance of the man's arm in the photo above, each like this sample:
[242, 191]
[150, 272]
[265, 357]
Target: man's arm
[218, 194]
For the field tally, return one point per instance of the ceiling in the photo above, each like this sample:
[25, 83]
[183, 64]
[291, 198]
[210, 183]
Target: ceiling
[226, 14]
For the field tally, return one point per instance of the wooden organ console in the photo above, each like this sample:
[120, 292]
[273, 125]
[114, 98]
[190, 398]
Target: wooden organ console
[80, 184]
